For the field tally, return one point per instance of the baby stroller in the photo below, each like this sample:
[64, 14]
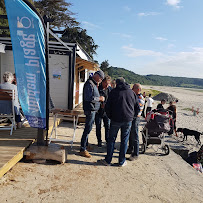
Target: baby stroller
[153, 133]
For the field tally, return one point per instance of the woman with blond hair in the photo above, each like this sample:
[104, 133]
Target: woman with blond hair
[8, 79]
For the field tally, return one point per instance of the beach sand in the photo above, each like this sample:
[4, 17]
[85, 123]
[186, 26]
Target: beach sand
[151, 178]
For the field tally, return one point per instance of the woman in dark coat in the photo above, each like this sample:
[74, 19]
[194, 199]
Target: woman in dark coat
[172, 109]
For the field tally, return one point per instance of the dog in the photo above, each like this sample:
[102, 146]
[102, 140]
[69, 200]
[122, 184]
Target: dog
[187, 132]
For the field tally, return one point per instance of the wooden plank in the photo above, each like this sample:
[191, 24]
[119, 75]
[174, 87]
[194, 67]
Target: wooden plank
[6, 94]
[8, 165]
[13, 146]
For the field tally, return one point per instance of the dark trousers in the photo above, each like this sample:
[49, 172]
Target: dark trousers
[148, 110]
[143, 112]
[90, 117]
[125, 131]
[98, 121]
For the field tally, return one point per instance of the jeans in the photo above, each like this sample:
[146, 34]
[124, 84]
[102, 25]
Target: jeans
[134, 137]
[125, 131]
[90, 117]
[98, 120]
[148, 110]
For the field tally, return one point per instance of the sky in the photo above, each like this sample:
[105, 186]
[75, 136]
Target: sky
[162, 37]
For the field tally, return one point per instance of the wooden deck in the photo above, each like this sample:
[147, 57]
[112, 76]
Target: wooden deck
[13, 146]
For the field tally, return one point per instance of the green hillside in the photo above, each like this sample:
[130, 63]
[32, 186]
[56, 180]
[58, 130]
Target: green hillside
[158, 80]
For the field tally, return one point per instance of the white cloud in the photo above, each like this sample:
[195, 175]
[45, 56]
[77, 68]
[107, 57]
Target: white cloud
[89, 25]
[133, 52]
[127, 8]
[171, 46]
[174, 3]
[148, 14]
[161, 38]
[183, 64]
[122, 35]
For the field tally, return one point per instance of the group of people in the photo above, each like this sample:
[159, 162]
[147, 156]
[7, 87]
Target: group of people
[9, 83]
[119, 108]
[148, 104]
[172, 110]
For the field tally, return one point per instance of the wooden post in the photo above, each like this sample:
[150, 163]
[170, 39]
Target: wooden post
[41, 133]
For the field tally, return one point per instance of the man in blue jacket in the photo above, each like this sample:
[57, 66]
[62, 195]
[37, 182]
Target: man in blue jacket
[121, 107]
[91, 104]
[133, 148]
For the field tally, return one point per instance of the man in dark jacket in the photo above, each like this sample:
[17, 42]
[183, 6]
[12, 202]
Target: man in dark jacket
[104, 90]
[160, 106]
[121, 107]
[91, 104]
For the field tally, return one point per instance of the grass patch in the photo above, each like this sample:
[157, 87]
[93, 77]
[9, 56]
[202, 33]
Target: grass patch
[197, 90]
[150, 91]
[190, 109]
[187, 109]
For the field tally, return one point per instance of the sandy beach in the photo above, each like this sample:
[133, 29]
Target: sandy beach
[152, 178]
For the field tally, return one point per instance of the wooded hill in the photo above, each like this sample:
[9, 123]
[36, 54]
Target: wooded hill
[156, 80]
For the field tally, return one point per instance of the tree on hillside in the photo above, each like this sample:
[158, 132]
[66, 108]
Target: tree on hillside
[105, 66]
[3, 8]
[2, 5]
[4, 22]
[77, 34]
[62, 16]
[58, 10]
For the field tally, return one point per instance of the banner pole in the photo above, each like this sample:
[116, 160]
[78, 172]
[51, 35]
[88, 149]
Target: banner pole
[47, 82]
[41, 132]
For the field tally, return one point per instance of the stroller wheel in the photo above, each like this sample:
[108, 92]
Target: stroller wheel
[144, 146]
[166, 149]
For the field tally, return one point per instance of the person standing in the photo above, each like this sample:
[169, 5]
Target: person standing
[160, 106]
[133, 148]
[113, 84]
[14, 79]
[143, 111]
[104, 90]
[172, 111]
[150, 102]
[121, 108]
[91, 104]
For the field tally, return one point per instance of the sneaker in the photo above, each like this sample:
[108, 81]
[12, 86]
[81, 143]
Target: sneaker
[99, 145]
[133, 158]
[124, 164]
[103, 162]
[85, 154]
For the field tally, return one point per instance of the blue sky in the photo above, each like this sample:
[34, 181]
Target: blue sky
[163, 37]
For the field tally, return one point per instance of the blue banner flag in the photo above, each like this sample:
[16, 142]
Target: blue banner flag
[28, 42]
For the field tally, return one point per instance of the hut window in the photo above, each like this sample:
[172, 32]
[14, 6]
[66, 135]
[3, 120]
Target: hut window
[82, 76]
